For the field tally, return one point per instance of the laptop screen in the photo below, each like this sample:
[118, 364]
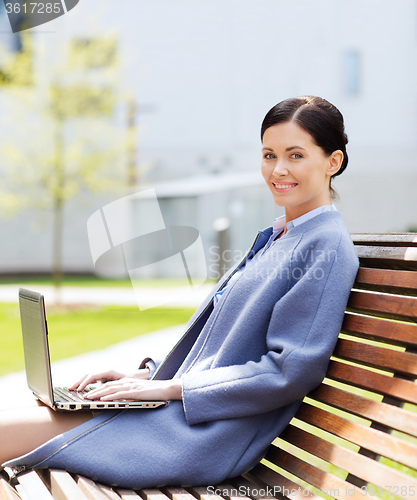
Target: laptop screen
[35, 344]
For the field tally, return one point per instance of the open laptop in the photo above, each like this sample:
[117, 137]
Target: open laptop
[38, 365]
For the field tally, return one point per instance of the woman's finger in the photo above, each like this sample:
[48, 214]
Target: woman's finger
[108, 388]
[75, 384]
[82, 383]
[141, 390]
[91, 378]
[125, 395]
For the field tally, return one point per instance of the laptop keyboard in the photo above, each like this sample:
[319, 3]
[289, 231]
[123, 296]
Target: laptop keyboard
[62, 394]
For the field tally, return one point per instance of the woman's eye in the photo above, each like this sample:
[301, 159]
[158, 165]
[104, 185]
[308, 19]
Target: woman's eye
[269, 156]
[296, 156]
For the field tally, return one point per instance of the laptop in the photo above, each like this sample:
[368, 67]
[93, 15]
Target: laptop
[38, 365]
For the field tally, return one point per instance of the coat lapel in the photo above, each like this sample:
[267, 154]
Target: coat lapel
[175, 358]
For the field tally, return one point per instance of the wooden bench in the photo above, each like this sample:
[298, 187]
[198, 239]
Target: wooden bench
[355, 436]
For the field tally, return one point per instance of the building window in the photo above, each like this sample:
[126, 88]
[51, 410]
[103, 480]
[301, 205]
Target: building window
[351, 69]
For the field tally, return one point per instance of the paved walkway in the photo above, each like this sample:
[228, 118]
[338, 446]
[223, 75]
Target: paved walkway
[124, 356]
[181, 296]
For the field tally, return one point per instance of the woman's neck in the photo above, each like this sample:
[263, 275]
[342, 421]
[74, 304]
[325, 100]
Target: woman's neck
[292, 213]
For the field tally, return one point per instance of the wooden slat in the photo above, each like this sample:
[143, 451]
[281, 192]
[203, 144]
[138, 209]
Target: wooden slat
[388, 239]
[391, 278]
[21, 492]
[323, 481]
[391, 416]
[109, 492]
[178, 494]
[359, 465]
[405, 254]
[391, 306]
[366, 437]
[230, 492]
[34, 487]
[126, 494]
[7, 492]
[404, 390]
[201, 493]
[153, 494]
[378, 357]
[280, 483]
[91, 489]
[63, 486]
[370, 327]
[257, 491]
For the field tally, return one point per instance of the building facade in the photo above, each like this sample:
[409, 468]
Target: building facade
[203, 74]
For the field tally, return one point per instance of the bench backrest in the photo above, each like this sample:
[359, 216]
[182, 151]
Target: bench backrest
[355, 436]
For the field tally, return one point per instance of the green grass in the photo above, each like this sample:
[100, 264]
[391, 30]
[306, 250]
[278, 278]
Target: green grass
[75, 331]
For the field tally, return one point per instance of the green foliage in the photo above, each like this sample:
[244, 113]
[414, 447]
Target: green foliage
[60, 133]
[70, 141]
[80, 100]
[17, 68]
[88, 53]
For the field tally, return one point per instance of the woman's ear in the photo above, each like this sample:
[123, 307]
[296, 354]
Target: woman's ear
[335, 162]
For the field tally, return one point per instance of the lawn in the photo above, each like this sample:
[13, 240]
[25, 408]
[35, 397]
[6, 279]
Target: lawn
[80, 330]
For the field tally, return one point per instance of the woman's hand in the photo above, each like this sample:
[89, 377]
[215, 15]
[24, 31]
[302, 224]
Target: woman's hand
[91, 378]
[136, 389]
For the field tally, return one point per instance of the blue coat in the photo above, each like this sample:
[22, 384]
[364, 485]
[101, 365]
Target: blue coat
[245, 367]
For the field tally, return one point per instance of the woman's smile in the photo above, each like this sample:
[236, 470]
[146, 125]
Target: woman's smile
[284, 187]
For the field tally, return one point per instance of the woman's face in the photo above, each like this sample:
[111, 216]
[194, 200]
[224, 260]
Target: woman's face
[296, 170]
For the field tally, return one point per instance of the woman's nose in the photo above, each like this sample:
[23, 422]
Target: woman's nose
[280, 168]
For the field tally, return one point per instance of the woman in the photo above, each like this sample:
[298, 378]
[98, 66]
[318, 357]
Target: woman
[259, 342]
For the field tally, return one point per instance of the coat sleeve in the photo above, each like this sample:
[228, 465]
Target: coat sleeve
[301, 336]
[150, 363]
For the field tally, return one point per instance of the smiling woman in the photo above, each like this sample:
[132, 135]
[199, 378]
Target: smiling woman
[256, 346]
[300, 135]
[296, 170]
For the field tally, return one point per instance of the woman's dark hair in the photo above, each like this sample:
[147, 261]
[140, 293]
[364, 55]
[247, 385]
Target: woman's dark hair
[318, 117]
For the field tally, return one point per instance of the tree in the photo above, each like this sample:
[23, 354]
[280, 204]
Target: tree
[62, 132]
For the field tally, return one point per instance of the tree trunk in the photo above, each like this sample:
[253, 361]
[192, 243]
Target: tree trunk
[58, 211]
[131, 144]
[57, 247]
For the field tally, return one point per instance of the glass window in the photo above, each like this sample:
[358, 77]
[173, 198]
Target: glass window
[351, 75]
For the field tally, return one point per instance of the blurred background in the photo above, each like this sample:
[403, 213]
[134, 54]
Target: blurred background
[116, 97]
